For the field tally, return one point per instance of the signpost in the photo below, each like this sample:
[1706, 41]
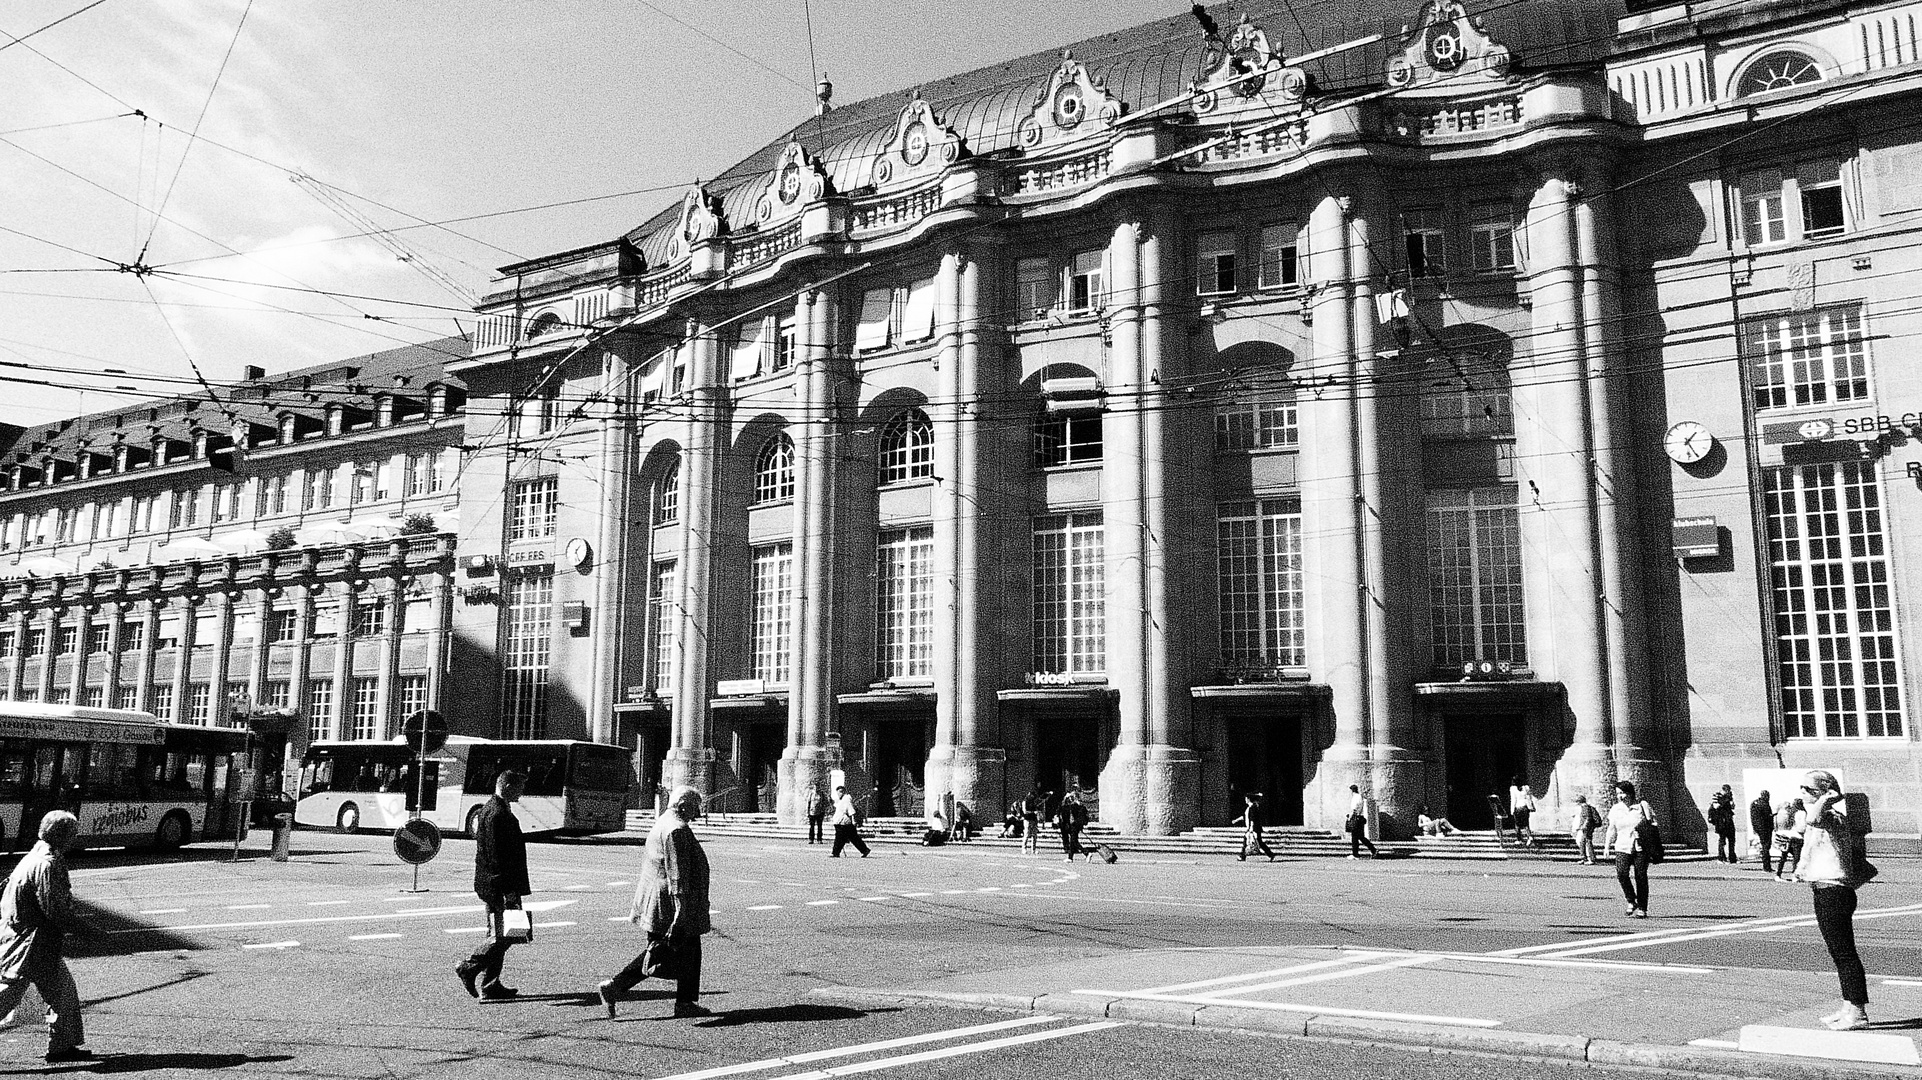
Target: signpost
[418, 841]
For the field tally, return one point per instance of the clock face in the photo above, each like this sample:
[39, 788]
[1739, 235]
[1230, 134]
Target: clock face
[1688, 442]
[578, 551]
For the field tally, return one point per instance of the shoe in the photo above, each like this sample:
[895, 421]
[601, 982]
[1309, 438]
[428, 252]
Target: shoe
[81, 1053]
[1629, 911]
[865, 854]
[1640, 914]
[608, 1000]
[833, 855]
[1849, 1021]
[687, 1009]
[468, 974]
[498, 992]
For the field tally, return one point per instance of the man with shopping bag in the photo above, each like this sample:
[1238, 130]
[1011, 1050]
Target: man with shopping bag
[671, 905]
[500, 880]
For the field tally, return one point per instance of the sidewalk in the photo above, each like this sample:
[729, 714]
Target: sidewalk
[1570, 1001]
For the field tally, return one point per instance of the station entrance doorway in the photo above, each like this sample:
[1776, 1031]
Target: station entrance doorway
[1484, 753]
[1067, 754]
[1264, 754]
[897, 764]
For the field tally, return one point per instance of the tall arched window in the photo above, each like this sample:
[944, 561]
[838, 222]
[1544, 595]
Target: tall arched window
[774, 470]
[1778, 71]
[666, 498]
[907, 447]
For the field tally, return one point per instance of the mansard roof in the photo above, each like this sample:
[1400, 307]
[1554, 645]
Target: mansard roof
[1141, 66]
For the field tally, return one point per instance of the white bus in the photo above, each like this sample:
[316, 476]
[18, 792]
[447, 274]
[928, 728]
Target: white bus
[572, 787]
[132, 780]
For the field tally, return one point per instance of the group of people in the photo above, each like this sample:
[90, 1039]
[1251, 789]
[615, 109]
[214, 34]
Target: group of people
[1069, 816]
[842, 813]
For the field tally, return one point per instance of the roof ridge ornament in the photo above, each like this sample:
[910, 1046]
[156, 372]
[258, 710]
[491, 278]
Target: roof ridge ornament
[922, 145]
[1063, 108]
[797, 181]
[701, 219]
[1245, 69]
[1446, 45]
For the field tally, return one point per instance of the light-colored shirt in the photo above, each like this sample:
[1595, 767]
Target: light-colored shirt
[844, 809]
[1520, 798]
[1829, 849]
[36, 913]
[1623, 819]
[1357, 804]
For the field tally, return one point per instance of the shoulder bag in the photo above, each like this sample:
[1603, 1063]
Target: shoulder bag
[1649, 836]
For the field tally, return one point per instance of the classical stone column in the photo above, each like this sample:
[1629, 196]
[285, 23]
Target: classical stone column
[117, 610]
[304, 660]
[1556, 441]
[49, 658]
[184, 654]
[16, 678]
[807, 760]
[1335, 586]
[396, 598]
[223, 649]
[1151, 783]
[440, 606]
[149, 649]
[690, 758]
[343, 675]
[82, 655]
[606, 625]
[967, 759]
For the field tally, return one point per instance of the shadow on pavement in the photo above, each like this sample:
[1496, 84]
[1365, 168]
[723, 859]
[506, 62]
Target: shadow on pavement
[120, 936]
[788, 1014]
[127, 1063]
[1913, 1023]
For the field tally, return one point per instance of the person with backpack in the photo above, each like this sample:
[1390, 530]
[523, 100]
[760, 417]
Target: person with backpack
[1721, 819]
[1833, 865]
[1632, 839]
[1585, 820]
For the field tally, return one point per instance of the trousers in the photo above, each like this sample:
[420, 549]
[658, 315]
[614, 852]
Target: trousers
[687, 981]
[848, 834]
[493, 949]
[1631, 869]
[55, 983]
[1835, 916]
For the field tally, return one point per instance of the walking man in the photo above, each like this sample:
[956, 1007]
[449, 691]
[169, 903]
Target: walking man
[846, 831]
[500, 880]
[1358, 824]
[36, 915]
[1721, 818]
[1761, 823]
[671, 905]
[1250, 819]
[1070, 818]
[817, 808]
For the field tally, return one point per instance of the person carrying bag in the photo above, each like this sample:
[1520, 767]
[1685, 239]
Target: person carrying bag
[1834, 866]
[671, 904]
[1635, 838]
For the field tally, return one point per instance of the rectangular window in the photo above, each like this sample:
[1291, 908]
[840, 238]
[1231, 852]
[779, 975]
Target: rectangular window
[1467, 398]
[133, 636]
[770, 619]
[1834, 609]
[366, 715]
[536, 508]
[877, 320]
[9, 647]
[226, 503]
[1427, 243]
[1762, 218]
[365, 487]
[904, 604]
[784, 342]
[1259, 581]
[1215, 264]
[419, 468]
[163, 701]
[1475, 576]
[283, 624]
[917, 314]
[1034, 289]
[67, 642]
[1256, 418]
[1492, 233]
[1069, 603]
[748, 350]
[1806, 358]
[370, 616]
[144, 508]
[63, 521]
[1280, 257]
[1819, 183]
[320, 709]
[1086, 287]
[277, 694]
[1067, 439]
[524, 663]
[126, 697]
[60, 695]
[661, 624]
[271, 496]
[93, 697]
[200, 704]
[413, 694]
[37, 641]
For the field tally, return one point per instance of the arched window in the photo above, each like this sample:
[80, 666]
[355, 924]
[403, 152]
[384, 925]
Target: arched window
[545, 323]
[1779, 71]
[666, 497]
[774, 471]
[907, 447]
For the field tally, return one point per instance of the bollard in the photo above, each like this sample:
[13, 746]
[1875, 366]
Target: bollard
[283, 836]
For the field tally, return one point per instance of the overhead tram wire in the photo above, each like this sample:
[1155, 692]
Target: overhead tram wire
[212, 88]
[12, 41]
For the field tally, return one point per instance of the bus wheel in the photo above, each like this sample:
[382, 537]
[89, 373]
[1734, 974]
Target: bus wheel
[349, 820]
[473, 822]
[172, 832]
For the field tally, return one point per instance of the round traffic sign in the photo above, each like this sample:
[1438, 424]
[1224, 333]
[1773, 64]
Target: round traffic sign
[417, 842]
[426, 731]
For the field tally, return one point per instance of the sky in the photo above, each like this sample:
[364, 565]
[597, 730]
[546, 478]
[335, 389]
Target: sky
[186, 186]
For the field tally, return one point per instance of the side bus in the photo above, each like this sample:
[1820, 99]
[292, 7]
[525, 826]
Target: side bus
[572, 787]
[131, 779]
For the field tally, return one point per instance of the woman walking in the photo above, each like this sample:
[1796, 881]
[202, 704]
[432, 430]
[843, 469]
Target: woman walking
[1250, 819]
[1833, 866]
[1069, 818]
[1626, 821]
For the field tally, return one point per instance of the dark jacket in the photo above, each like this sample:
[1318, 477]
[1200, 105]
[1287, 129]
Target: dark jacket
[1761, 816]
[500, 853]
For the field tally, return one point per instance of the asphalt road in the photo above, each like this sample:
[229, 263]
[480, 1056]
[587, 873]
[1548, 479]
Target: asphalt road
[323, 966]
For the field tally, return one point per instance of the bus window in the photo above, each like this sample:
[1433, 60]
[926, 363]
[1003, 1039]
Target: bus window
[599, 770]
[317, 777]
[544, 767]
[194, 772]
[13, 776]
[392, 779]
[113, 771]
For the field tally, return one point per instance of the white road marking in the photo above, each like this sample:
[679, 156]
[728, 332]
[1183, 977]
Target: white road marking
[864, 1048]
[1021, 886]
[576, 888]
[871, 898]
[951, 1051]
[1325, 976]
[164, 911]
[546, 924]
[1747, 927]
[990, 888]
[822, 903]
[1257, 976]
[953, 892]
[1549, 961]
[1901, 982]
[247, 907]
[765, 907]
[542, 905]
[335, 903]
[372, 937]
[1716, 1044]
[617, 884]
[619, 918]
[914, 895]
[274, 945]
[1283, 1006]
[1559, 947]
[464, 930]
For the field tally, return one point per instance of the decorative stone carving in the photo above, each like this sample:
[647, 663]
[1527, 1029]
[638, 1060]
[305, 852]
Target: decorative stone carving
[922, 147]
[1071, 107]
[796, 181]
[1246, 52]
[701, 219]
[1445, 51]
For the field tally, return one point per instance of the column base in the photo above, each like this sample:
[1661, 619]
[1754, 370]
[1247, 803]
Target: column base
[974, 775]
[1399, 782]
[1649, 774]
[690, 767]
[1588, 770]
[803, 767]
[1325, 802]
[1152, 790]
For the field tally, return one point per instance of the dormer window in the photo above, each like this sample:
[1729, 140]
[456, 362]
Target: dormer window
[1778, 71]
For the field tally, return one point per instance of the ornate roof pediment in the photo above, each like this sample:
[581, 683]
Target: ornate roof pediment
[1446, 51]
[1246, 52]
[922, 146]
[701, 219]
[797, 180]
[1073, 106]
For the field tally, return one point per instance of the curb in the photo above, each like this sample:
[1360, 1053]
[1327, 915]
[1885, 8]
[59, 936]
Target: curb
[1241, 1018]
